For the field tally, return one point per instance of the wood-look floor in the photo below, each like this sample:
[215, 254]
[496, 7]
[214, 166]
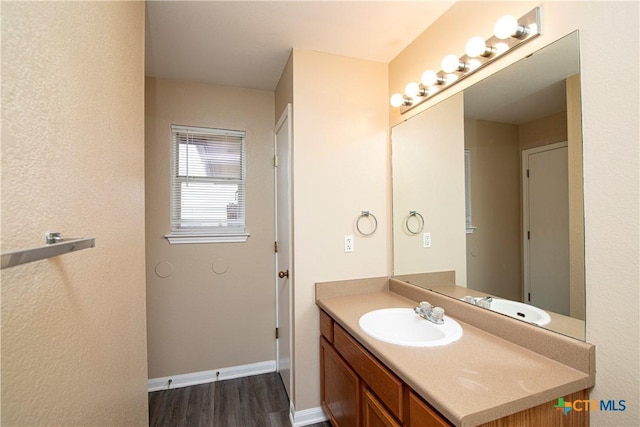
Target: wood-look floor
[256, 401]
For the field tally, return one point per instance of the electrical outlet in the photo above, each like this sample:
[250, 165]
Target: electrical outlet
[426, 240]
[348, 243]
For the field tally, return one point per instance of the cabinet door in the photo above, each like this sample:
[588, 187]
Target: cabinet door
[422, 415]
[378, 378]
[374, 414]
[339, 388]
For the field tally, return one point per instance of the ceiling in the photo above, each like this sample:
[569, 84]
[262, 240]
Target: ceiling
[247, 43]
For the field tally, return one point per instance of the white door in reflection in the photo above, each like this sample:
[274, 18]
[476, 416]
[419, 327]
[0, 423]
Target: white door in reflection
[546, 227]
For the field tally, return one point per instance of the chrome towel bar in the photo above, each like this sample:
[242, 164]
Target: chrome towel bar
[59, 246]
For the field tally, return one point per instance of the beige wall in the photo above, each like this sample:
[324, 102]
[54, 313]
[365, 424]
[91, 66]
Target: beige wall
[610, 136]
[73, 327]
[576, 199]
[284, 89]
[341, 166]
[493, 253]
[494, 250]
[200, 320]
[543, 131]
[428, 177]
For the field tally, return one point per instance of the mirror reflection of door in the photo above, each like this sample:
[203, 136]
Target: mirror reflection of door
[546, 227]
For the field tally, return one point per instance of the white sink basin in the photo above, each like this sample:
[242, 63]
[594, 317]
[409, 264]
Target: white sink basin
[519, 310]
[402, 326]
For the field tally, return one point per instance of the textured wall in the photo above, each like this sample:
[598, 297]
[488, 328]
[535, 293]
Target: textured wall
[428, 177]
[73, 327]
[341, 166]
[199, 319]
[494, 249]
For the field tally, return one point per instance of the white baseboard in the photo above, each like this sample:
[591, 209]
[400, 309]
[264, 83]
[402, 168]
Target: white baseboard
[306, 417]
[203, 377]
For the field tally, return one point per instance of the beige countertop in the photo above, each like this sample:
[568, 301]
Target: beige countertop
[477, 379]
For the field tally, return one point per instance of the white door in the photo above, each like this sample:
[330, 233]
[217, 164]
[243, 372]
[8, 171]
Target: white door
[284, 276]
[546, 227]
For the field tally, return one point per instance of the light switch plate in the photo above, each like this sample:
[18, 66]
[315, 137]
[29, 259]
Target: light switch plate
[426, 240]
[348, 243]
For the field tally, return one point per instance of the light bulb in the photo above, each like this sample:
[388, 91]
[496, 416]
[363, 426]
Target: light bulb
[476, 46]
[429, 78]
[451, 78]
[397, 100]
[450, 63]
[412, 90]
[505, 27]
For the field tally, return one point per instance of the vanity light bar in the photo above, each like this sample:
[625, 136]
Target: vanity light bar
[509, 33]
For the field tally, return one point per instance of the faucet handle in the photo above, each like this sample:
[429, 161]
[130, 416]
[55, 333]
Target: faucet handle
[437, 314]
[484, 303]
[425, 305]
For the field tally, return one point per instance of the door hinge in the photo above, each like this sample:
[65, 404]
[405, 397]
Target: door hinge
[528, 235]
[527, 173]
[277, 333]
[275, 247]
[275, 161]
[529, 297]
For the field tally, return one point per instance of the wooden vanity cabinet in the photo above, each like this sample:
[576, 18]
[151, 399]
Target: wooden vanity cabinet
[358, 390]
[387, 388]
[340, 388]
[423, 415]
[374, 414]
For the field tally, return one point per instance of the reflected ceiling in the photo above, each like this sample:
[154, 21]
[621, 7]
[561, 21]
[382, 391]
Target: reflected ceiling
[527, 90]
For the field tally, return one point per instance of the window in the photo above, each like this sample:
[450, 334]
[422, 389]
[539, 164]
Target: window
[207, 185]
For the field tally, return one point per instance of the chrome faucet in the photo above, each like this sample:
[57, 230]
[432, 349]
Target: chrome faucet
[430, 313]
[484, 302]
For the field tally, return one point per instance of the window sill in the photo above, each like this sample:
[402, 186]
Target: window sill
[194, 238]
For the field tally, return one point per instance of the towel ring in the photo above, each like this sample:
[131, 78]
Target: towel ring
[420, 222]
[367, 214]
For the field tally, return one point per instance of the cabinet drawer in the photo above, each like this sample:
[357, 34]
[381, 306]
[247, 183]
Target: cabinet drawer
[380, 380]
[326, 326]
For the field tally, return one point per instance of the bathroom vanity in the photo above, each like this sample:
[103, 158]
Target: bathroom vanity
[500, 372]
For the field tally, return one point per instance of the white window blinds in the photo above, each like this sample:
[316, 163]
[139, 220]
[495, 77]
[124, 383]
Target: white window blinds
[208, 181]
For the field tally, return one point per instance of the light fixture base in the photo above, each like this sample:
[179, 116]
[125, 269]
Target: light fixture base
[530, 21]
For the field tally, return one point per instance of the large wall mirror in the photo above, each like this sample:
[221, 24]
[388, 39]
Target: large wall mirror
[487, 184]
